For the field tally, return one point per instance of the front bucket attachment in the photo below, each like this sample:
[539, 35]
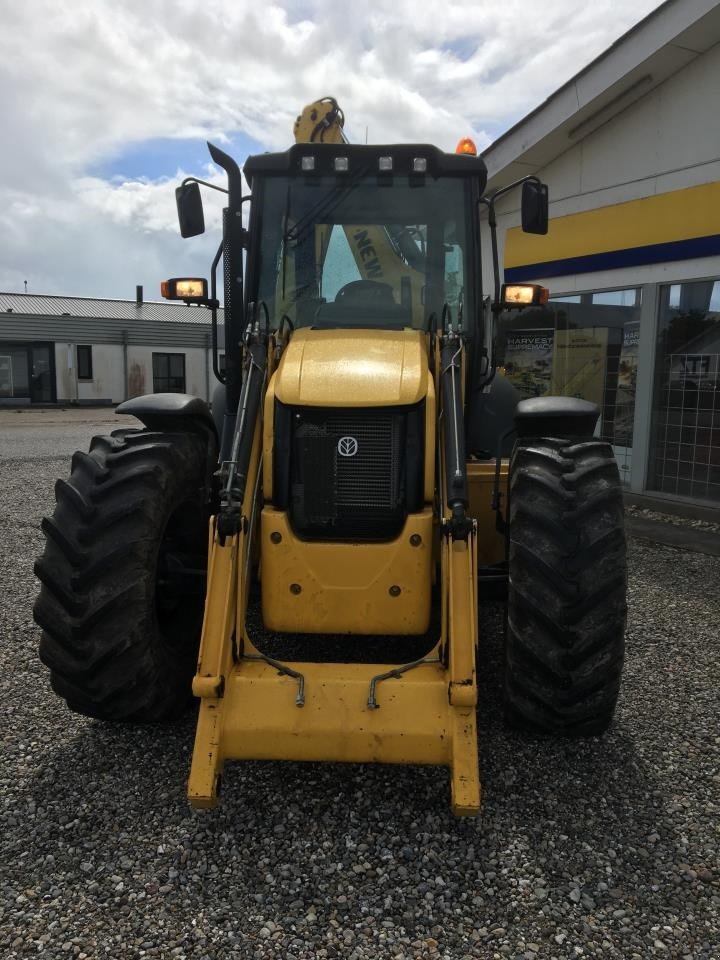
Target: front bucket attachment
[358, 713]
[254, 708]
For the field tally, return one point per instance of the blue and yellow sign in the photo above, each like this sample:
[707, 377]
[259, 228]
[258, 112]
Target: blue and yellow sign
[681, 225]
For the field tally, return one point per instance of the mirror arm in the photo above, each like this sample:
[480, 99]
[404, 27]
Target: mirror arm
[511, 186]
[495, 307]
[204, 183]
[489, 201]
[492, 223]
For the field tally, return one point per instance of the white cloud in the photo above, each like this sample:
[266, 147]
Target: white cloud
[84, 81]
[146, 205]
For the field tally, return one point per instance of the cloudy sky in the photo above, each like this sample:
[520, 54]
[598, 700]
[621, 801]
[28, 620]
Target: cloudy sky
[106, 104]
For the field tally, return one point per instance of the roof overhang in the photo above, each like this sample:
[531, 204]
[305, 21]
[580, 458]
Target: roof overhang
[659, 46]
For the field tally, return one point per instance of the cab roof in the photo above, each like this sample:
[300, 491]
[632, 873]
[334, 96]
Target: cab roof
[365, 159]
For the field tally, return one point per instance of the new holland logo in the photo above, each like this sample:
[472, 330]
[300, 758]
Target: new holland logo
[347, 446]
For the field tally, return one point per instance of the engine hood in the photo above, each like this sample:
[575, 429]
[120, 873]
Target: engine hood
[353, 368]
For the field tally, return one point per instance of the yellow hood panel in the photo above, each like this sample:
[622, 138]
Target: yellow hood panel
[353, 368]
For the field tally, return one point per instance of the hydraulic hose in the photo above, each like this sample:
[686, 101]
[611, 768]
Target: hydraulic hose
[456, 490]
[233, 490]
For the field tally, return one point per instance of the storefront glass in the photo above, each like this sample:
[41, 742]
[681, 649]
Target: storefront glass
[584, 346]
[26, 373]
[685, 431]
[14, 375]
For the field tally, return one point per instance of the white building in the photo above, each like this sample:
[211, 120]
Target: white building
[630, 149]
[88, 351]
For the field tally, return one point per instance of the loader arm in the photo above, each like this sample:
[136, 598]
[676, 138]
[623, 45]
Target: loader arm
[222, 639]
[253, 707]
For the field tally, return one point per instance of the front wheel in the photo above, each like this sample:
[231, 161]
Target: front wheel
[123, 575]
[564, 641]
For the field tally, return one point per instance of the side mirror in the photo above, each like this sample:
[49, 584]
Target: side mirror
[534, 207]
[190, 210]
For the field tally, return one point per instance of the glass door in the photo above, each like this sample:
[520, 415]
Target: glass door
[41, 375]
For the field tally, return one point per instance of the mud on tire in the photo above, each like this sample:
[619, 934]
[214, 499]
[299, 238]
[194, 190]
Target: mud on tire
[564, 643]
[122, 575]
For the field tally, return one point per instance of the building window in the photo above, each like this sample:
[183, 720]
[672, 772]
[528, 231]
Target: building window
[27, 372]
[583, 345]
[168, 372]
[685, 433]
[84, 362]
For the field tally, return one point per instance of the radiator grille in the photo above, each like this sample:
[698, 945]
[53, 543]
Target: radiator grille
[347, 473]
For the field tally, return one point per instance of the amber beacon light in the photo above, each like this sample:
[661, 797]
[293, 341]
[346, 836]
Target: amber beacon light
[466, 146]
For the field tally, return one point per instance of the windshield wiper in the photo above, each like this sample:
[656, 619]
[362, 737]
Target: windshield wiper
[323, 207]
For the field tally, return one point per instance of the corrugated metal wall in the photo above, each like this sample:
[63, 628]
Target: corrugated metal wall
[17, 327]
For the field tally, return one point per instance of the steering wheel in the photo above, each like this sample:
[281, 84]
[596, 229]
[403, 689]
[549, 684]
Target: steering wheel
[363, 291]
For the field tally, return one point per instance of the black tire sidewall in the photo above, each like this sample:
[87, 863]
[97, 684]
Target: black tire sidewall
[112, 651]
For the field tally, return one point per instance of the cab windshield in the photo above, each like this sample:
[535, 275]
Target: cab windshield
[362, 253]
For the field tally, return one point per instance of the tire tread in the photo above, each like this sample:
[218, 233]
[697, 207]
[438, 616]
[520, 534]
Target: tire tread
[564, 636]
[101, 638]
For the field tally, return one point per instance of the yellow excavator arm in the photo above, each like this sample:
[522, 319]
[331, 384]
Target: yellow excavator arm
[378, 255]
[320, 122]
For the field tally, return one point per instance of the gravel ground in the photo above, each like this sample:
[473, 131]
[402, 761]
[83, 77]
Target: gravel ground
[605, 847]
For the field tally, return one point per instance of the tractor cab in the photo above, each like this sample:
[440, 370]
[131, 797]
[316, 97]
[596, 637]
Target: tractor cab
[377, 237]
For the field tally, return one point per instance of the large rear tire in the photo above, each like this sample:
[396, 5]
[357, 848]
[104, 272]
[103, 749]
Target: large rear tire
[122, 575]
[564, 640]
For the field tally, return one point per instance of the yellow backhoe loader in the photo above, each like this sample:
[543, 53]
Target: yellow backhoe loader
[307, 557]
